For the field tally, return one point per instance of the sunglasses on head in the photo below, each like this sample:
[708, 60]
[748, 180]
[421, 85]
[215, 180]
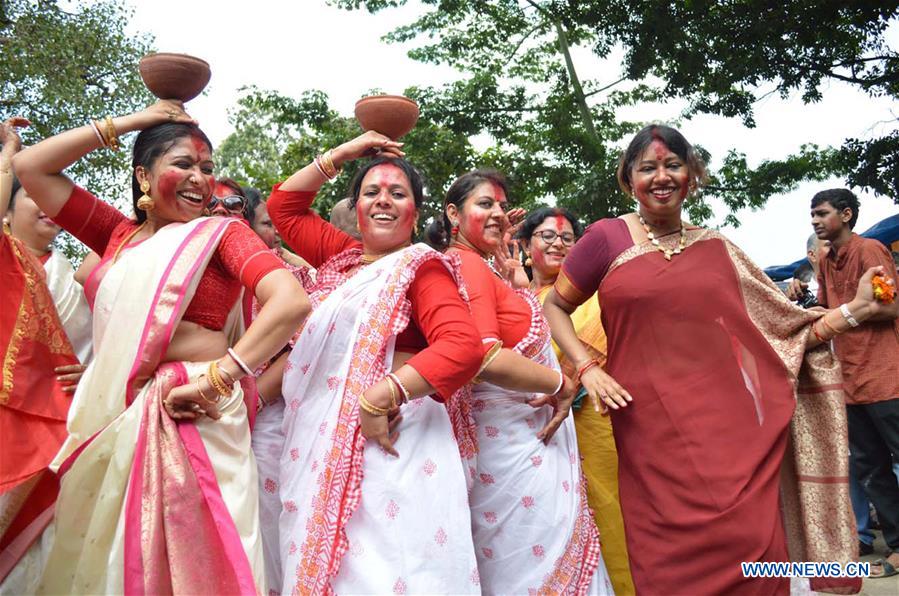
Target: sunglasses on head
[233, 203]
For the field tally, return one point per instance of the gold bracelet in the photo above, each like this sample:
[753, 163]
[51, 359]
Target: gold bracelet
[371, 408]
[222, 369]
[327, 163]
[390, 386]
[216, 380]
[112, 138]
[206, 399]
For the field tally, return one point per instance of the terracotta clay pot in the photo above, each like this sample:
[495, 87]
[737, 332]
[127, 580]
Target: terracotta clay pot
[174, 76]
[390, 115]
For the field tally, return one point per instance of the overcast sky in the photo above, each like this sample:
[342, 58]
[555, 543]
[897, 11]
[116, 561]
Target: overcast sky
[305, 44]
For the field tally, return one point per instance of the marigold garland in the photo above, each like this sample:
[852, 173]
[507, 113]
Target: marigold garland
[883, 291]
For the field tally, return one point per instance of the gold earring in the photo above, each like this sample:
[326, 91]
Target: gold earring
[146, 202]
[528, 262]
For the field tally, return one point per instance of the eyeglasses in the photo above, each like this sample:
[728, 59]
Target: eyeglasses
[549, 237]
[233, 203]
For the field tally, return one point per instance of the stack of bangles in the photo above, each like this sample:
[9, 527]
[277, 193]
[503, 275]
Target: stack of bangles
[106, 133]
[324, 163]
[585, 367]
[393, 384]
[825, 331]
[223, 387]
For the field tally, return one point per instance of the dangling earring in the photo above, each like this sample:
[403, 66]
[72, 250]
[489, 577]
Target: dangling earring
[146, 202]
[454, 231]
[528, 262]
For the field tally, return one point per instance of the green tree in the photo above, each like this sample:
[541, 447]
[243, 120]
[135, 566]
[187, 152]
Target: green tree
[274, 136]
[62, 68]
[561, 132]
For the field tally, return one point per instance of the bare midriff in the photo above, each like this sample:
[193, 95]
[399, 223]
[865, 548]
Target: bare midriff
[195, 343]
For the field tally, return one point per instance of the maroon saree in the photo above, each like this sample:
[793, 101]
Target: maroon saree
[716, 455]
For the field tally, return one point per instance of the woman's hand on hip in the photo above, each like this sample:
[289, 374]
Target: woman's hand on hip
[604, 391]
[561, 404]
[381, 429]
[185, 402]
[69, 376]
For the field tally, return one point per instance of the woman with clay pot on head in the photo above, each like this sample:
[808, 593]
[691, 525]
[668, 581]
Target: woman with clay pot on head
[373, 484]
[157, 463]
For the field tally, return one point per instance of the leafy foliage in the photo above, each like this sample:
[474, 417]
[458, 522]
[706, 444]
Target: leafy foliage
[62, 68]
[559, 135]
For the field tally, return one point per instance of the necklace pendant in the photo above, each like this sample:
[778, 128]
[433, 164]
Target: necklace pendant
[667, 256]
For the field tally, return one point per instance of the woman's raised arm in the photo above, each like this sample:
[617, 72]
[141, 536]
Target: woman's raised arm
[40, 166]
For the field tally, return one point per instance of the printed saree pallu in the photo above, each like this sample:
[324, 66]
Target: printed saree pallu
[149, 505]
[356, 520]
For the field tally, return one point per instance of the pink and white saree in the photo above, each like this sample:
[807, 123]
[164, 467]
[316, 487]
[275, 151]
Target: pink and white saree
[148, 505]
[532, 528]
[356, 520]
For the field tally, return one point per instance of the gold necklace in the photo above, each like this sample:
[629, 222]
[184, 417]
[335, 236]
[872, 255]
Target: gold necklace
[655, 241]
[369, 259]
[115, 255]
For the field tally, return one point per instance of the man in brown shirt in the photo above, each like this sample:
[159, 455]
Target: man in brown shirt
[869, 354]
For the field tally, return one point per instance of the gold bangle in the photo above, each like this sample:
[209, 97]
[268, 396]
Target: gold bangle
[390, 386]
[327, 163]
[371, 408]
[206, 399]
[112, 138]
[221, 369]
[216, 380]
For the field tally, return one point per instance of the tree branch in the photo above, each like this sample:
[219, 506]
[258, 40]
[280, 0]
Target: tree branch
[609, 86]
[523, 39]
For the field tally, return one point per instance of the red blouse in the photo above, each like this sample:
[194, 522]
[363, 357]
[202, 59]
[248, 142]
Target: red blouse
[498, 311]
[240, 259]
[441, 332]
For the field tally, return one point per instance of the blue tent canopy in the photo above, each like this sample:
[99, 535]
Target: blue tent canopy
[886, 231]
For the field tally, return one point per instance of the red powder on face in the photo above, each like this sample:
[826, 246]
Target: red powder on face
[387, 178]
[168, 184]
[499, 195]
[473, 222]
[221, 191]
[200, 146]
[560, 222]
[538, 257]
[659, 149]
